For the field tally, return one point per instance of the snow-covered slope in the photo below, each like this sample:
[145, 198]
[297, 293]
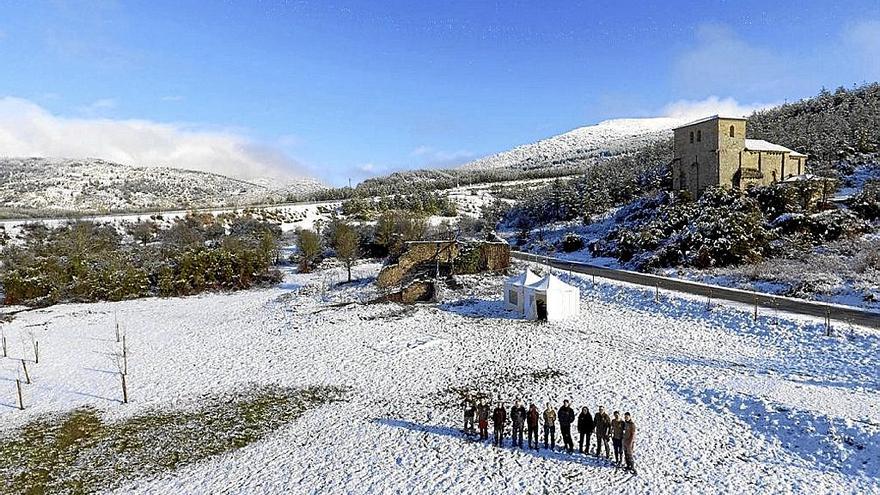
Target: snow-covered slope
[605, 138]
[99, 185]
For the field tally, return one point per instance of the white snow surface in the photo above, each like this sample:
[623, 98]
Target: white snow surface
[607, 137]
[723, 404]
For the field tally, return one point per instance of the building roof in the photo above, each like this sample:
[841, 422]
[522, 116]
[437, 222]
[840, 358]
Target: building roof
[525, 278]
[551, 283]
[761, 145]
[706, 119]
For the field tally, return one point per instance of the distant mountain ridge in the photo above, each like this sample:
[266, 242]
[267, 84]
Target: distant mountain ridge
[609, 137]
[94, 185]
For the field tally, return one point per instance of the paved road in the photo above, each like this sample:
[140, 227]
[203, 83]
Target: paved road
[836, 312]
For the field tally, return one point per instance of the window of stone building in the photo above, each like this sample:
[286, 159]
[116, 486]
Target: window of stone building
[699, 136]
[732, 131]
[692, 136]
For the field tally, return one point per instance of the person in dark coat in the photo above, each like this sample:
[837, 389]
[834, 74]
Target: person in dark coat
[499, 419]
[629, 441]
[617, 437]
[585, 429]
[532, 418]
[483, 420]
[518, 420]
[470, 412]
[549, 427]
[602, 424]
[566, 418]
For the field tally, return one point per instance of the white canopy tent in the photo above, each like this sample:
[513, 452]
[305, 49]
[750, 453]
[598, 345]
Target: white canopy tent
[551, 299]
[514, 289]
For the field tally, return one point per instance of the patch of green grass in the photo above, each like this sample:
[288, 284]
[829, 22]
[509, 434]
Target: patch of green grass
[79, 452]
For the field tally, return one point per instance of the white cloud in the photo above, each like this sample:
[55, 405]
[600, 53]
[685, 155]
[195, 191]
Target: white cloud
[97, 106]
[172, 98]
[27, 129]
[862, 40]
[721, 61]
[434, 157]
[369, 168]
[713, 105]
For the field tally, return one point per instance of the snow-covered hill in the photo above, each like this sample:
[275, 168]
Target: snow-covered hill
[99, 185]
[605, 138]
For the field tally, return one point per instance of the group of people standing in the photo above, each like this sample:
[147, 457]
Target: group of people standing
[621, 431]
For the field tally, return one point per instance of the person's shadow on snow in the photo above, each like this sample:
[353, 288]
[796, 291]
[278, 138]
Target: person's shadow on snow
[586, 460]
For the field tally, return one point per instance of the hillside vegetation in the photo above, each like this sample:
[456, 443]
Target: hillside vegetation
[86, 261]
[45, 186]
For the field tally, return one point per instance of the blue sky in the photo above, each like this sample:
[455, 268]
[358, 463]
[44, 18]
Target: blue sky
[350, 89]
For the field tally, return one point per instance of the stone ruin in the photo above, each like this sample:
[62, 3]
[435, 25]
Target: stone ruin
[411, 277]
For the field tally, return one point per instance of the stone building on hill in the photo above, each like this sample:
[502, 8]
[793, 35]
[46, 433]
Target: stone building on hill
[714, 151]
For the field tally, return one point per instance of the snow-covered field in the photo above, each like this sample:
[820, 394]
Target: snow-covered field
[723, 404]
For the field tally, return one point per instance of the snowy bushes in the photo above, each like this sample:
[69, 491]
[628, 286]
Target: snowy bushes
[724, 227]
[84, 261]
[827, 127]
[821, 227]
[867, 202]
[571, 242]
[422, 203]
[608, 183]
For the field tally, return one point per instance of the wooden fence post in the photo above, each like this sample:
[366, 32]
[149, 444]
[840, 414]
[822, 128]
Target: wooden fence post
[4, 346]
[20, 399]
[756, 309]
[657, 292]
[775, 312]
[27, 376]
[36, 352]
[828, 331]
[124, 389]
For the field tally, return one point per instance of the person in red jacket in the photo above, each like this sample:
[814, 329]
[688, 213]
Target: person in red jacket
[532, 422]
[483, 419]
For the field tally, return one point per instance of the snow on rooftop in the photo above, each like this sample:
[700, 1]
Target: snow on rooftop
[711, 117]
[761, 145]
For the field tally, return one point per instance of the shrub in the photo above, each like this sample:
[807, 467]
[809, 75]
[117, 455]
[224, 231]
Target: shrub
[572, 242]
[84, 261]
[724, 227]
[310, 249]
[867, 202]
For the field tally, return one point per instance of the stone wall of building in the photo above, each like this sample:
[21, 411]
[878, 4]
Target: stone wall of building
[729, 150]
[717, 156]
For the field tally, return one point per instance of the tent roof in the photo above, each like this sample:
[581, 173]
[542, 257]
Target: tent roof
[551, 283]
[525, 278]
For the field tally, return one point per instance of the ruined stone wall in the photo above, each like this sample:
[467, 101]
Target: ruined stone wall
[453, 256]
